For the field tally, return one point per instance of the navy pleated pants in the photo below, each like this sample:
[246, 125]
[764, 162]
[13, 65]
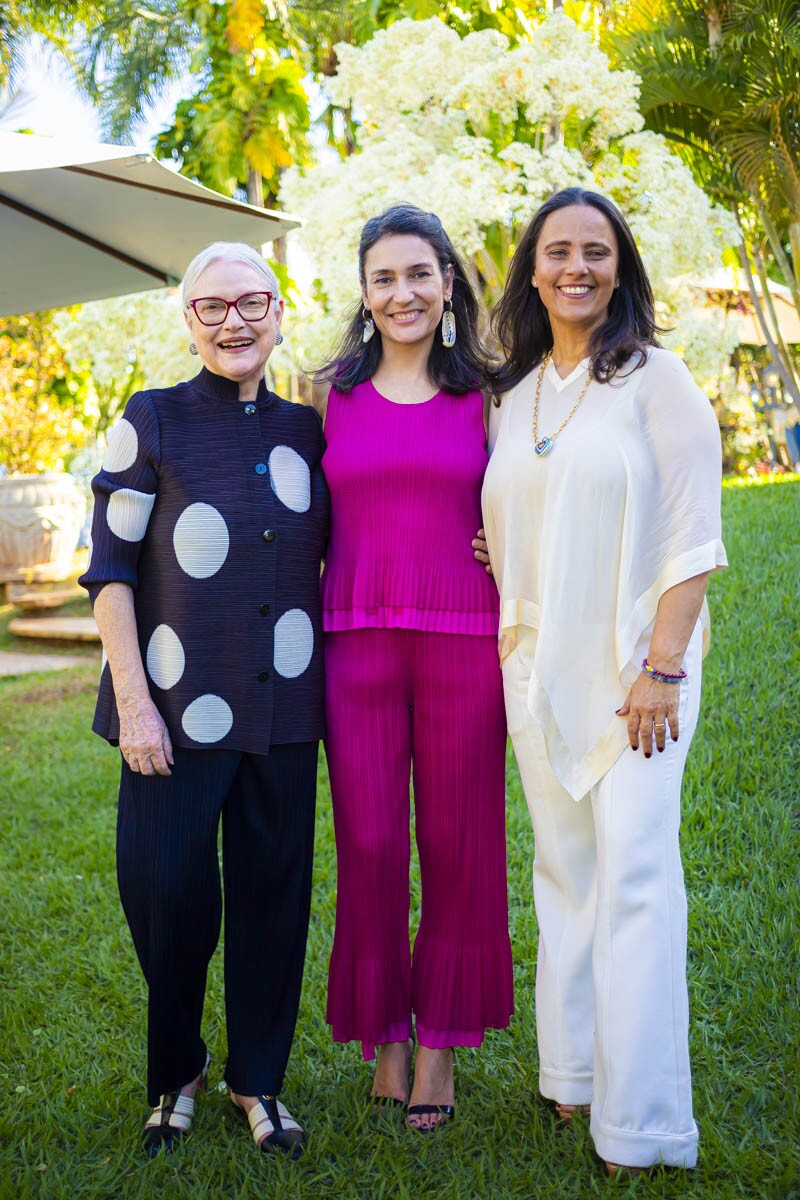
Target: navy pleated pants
[168, 872]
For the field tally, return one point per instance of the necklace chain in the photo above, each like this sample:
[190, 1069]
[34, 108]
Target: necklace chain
[545, 444]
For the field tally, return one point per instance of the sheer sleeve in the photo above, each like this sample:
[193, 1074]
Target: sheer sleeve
[672, 526]
[125, 492]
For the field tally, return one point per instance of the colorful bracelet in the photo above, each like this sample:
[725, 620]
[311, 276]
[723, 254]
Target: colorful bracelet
[661, 676]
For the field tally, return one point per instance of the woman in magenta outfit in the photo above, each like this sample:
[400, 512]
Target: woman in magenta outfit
[413, 685]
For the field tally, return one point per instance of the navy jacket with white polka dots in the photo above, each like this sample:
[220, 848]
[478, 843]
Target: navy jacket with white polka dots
[216, 512]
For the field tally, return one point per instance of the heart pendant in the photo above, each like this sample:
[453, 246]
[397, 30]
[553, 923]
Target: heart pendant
[543, 447]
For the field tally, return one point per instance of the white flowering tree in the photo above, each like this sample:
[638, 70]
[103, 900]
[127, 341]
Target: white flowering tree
[482, 133]
[124, 344]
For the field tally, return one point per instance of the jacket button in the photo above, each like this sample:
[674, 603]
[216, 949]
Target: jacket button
[264, 610]
[261, 468]
[268, 535]
[263, 676]
[250, 409]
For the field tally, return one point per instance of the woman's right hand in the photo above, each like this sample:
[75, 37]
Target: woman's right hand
[482, 550]
[144, 738]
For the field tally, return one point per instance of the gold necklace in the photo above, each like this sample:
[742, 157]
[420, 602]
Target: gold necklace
[544, 445]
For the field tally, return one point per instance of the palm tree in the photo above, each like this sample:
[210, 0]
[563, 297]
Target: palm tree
[21, 18]
[721, 79]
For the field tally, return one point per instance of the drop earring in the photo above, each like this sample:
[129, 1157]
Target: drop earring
[193, 348]
[279, 338]
[448, 326]
[369, 325]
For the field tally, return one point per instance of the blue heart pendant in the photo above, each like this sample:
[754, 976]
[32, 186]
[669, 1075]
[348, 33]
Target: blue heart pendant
[543, 447]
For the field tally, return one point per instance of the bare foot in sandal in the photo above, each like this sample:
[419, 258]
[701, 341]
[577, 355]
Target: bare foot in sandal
[392, 1072]
[433, 1097]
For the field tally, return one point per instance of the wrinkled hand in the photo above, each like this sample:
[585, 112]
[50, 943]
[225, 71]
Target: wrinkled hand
[481, 549]
[650, 708]
[144, 740]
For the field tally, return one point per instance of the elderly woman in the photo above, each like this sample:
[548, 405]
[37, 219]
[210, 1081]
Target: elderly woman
[411, 673]
[210, 520]
[601, 507]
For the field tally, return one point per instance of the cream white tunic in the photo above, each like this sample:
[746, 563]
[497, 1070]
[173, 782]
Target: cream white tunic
[585, 540]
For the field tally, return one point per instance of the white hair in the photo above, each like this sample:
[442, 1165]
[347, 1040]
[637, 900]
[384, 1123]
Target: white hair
[238, 252]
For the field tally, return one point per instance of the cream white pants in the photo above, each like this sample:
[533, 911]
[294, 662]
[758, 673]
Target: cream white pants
[611, 1000]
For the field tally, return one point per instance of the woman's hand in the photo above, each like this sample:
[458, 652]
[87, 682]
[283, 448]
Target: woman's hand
[482, 550]
[651, 707]
[143, 737]
[144, 740]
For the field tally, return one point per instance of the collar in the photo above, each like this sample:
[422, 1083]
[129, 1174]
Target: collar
[218, 387]
[577, 372]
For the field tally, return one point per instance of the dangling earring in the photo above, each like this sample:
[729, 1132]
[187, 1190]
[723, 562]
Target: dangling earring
[279, 338]
[369, 325]
[193, 349]
[448, 326]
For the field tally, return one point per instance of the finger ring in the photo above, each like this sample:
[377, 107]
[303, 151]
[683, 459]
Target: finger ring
[662, 726]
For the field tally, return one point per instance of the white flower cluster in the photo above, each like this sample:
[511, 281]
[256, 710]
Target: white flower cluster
[481, 134]
[108, 336]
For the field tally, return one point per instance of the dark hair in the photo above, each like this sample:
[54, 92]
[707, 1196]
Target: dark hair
[521, 321]
[460, 369]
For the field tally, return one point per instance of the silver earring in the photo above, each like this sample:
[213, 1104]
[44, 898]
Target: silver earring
[279, 338]
[448, 326]
[534, 283]
[192, 348]
[369, 325]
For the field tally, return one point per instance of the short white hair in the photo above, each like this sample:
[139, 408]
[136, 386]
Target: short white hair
[238, 252]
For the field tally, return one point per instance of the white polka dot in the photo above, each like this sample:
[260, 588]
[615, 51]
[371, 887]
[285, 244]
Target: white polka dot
[290, 478]
[128, 513]
[165, 657]
[123, 445]
[201, 540]
[294, 643]
[207, 719]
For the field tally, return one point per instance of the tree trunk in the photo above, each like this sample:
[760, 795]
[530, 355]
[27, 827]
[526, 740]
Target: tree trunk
[255, 187]
[714, 23]
[785, 372]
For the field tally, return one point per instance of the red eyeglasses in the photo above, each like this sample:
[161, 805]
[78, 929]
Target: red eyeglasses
[213, 310]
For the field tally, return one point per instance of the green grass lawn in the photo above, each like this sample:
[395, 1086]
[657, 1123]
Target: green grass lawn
[72, 1006]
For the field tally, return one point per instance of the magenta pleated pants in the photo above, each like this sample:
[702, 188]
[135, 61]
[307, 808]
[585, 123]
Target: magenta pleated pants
[400, 701]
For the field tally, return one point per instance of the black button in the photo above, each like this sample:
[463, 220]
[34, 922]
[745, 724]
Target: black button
[268, 535]
[250, 409]
[261, 468]
[264, 610]
[263, 676]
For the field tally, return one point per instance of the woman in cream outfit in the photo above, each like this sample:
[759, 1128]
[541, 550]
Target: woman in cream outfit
[601, 507]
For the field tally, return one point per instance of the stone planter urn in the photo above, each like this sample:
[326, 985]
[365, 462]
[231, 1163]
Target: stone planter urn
[40, 519]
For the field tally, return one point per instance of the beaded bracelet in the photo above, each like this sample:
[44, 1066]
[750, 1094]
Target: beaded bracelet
[661, 676]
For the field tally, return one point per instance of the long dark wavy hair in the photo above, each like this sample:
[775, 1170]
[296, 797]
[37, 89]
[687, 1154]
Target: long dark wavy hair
[460, 369]
[521, 322]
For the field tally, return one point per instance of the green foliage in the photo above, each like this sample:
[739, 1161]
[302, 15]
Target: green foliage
[722, 80]
[72, 1004]
[43, 413]
[250, 113]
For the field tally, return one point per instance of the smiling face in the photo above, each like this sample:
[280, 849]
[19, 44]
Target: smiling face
[405, 289]
[576, 267]
[238, 349]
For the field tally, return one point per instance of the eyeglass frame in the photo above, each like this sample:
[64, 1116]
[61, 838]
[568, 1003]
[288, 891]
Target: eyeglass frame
[229, 305]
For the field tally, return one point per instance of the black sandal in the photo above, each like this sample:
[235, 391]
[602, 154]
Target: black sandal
[171, 1119]
[448, 1111]
[273, 1127]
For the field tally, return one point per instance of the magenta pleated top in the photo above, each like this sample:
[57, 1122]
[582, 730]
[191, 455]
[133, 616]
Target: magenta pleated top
[405, 484]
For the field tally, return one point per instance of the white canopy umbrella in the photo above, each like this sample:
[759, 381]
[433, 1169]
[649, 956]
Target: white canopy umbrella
[81, 221]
